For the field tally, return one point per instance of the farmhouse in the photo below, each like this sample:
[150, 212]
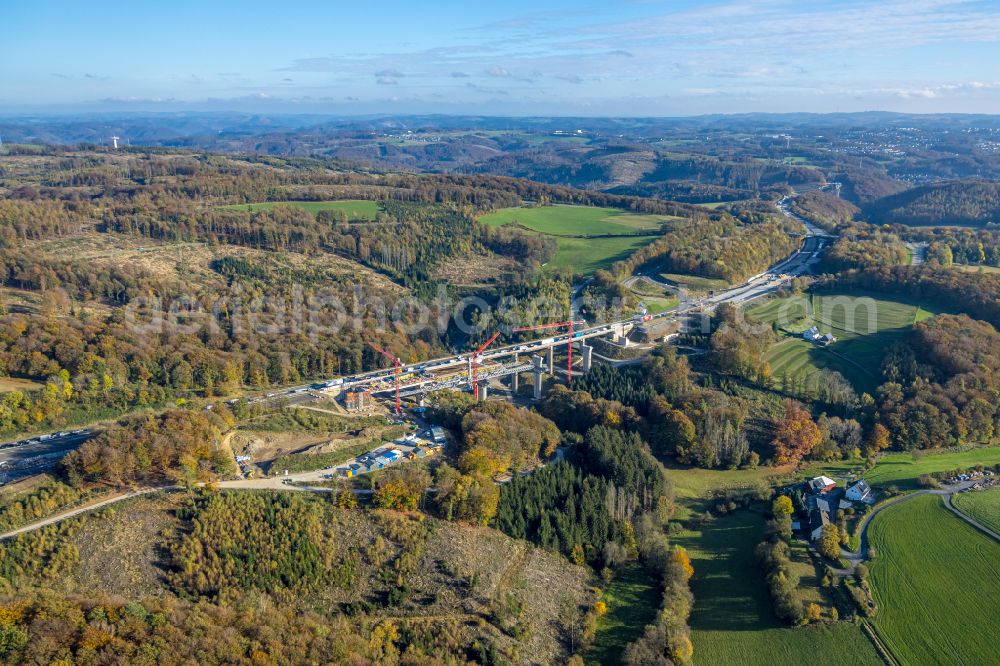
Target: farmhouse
[859, 492]
[813, 335]
[822, 484]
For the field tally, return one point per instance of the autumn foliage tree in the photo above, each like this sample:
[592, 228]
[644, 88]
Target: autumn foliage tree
[796, 434]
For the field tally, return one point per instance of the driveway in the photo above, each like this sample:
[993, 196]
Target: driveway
[856, 558]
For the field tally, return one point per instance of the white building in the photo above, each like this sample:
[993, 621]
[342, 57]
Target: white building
[859, 492]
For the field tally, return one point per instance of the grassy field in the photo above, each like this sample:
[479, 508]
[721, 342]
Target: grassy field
[733, 621]
[936, 580]
[583, 255]
[864, 327]
[356, 209]
[633, 598]
[716, 204]
[657, 305]
[983, 506]
[575, 220]
[695, 283]
[902, 470]
[586, 255]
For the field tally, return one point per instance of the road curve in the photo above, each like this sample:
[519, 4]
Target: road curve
[856, 558]
[969, 519]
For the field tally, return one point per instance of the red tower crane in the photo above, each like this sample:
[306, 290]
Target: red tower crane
[569, 341]
[395, 364]
[475, 364]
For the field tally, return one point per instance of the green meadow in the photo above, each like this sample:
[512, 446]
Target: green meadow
[633, 599]
[983, 506]
[733, 620]
[567, 223]
[936, 580]
[864, 327]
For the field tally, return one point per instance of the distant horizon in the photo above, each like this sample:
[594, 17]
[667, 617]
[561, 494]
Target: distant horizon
[146, 113]
[640, 58]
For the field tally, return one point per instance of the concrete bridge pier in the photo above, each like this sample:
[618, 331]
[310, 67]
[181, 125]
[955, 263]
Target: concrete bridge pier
[586, 353]
[483, 389]
[536, 361]
[514, 379]
[551, 360]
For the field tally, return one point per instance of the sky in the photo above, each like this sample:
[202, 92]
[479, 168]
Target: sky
[515, 57]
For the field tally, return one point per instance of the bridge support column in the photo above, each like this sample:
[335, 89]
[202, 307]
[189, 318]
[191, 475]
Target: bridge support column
[586, 352]
[536, 361]
[483, 388]
[514, 379]
[551, 360]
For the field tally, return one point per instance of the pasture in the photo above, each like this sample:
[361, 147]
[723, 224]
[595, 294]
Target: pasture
[586, 255]
[633, 598]
[568, 223]
[733, 620]
[864, 327]
[936, 580]
[983, 506]
[356, 209]
[575, 220]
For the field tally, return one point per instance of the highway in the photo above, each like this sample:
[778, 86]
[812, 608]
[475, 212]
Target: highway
[26, 457]
[453, 370]
[29, 456]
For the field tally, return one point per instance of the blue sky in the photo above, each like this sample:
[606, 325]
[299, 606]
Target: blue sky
[639, 57]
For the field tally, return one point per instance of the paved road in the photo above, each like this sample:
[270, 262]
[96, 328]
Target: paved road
[856, 558]
[969, 519]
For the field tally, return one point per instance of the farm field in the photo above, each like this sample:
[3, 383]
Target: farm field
[983, 506]
[633, 598]
[356, 209]
[586, 255]
[575, 220]
[583, 255]
[864, 328]
[733, 621]
[936, 580]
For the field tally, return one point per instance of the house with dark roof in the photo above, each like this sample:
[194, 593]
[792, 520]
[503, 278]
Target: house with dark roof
[818, 519]
[822, 484]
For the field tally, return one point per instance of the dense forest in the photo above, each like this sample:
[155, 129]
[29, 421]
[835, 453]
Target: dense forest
[942, 384]
[823, 208]
[722, 247]
[963, 203]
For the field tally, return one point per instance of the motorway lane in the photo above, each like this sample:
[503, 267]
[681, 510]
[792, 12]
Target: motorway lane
[24, 458]
[21, 459]
[780, 274]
